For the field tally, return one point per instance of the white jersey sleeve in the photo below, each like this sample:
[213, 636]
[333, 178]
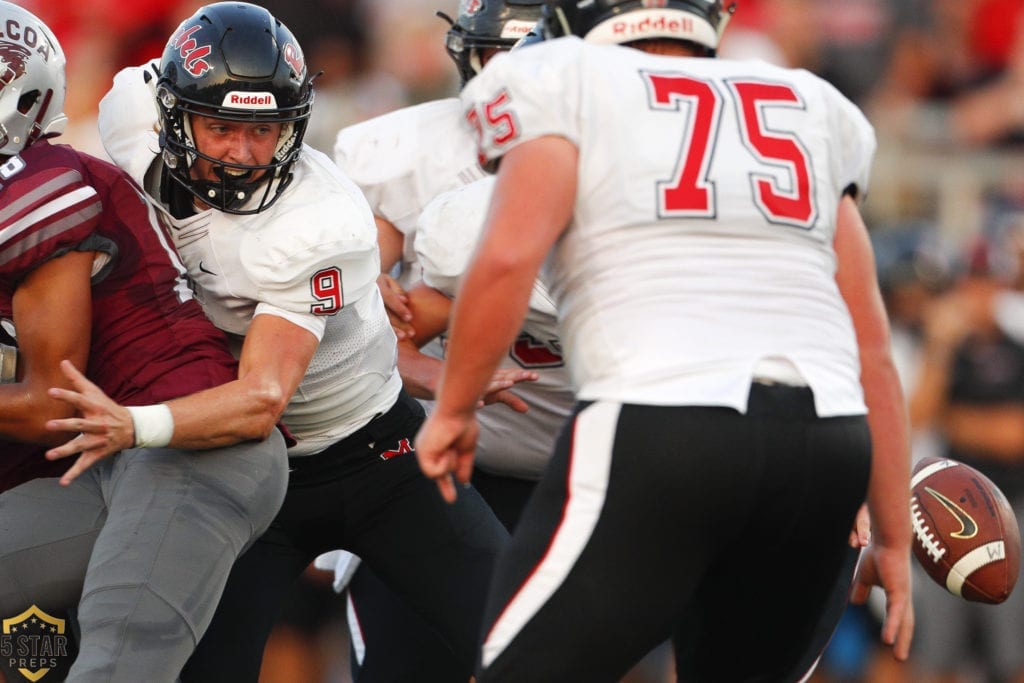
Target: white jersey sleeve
[127, 120]
[305, 278]
[403, 159]
[310, 272]
[446, 238]
[526, 94]
[448, 231]
[855, 142]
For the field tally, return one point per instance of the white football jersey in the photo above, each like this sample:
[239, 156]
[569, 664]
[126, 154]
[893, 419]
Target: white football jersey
[403, 159]
[701, 242]
[311, 258]
[510, 443]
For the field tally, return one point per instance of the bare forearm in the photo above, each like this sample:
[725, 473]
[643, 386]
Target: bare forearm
[225, 415]
[24, 412]
[420, 373]
[274, 359]
[889, 488]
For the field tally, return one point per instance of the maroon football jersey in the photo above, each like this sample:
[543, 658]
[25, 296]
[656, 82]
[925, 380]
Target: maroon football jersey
[150, 339]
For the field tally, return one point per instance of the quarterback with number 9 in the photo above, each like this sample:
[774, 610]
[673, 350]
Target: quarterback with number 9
[698, 223]
[281, 249]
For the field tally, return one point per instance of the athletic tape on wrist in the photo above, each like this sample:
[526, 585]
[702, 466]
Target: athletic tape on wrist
[154, 425]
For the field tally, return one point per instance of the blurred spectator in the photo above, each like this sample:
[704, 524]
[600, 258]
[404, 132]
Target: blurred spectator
[957, 77]
[914, 265]
[971, 390]
[407, 34]
[847, 42]
[374, 56]
[339, 37]
[1008, 308]
[100, 37]
[857, 38]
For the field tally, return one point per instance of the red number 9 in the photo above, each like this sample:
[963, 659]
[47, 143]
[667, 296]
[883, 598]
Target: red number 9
[326, 287]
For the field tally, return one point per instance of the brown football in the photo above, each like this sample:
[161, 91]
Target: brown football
[965, 532]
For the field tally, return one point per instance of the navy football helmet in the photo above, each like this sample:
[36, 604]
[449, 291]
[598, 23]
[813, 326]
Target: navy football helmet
[700, 22]
[486, 24]
[233, 61]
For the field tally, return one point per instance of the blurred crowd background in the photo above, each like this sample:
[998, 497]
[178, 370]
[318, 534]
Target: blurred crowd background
[943, 83]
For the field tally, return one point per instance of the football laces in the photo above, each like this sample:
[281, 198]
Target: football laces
[924, 533]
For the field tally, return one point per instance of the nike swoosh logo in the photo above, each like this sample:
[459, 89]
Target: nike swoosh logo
[205, 270]
[968, 527]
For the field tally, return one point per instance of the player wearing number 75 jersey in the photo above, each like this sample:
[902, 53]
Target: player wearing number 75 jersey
[722, 326]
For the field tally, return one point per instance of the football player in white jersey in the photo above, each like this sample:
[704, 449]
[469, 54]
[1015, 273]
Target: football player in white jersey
[511, 445]
[721, 321]
[281, 248]
[402, 161]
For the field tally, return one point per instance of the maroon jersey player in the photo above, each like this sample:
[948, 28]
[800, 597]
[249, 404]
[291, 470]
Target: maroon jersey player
[141, 543]
[147, 340]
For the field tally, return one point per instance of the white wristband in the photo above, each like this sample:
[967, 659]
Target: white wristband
[154, 425]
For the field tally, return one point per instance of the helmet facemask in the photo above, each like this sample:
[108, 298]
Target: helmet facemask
[233, 191]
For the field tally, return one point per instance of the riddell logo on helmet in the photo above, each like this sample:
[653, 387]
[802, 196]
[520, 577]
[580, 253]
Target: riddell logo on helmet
[660, 25]
[250, 100]
[516, 28]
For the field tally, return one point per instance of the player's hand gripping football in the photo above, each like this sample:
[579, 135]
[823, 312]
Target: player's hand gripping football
[104, 427]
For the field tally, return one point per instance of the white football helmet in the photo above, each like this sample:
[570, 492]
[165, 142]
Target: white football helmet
[700, 22]
[32, 81]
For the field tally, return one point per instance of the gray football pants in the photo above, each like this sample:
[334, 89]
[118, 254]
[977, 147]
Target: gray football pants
[143, 543]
